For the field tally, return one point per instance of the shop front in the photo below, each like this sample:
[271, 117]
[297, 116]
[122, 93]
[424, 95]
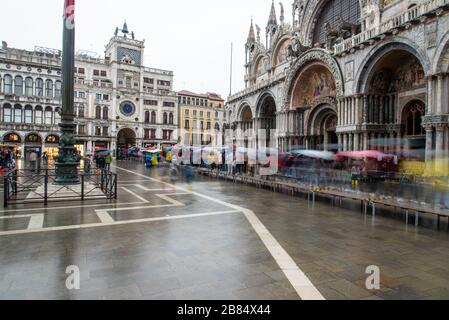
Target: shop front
[51, 147]
[13, 142]
[33, 143]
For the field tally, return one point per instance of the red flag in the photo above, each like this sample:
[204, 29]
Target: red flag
[69, 9]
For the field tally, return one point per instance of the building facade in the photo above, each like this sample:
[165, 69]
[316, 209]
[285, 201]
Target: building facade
[350, 75]
[118, 101]
[200, 118]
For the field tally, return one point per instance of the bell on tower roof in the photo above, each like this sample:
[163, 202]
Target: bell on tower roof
[272, 20]
[125, 28]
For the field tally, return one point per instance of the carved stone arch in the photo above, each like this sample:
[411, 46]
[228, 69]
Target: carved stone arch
[258, 59]
[317, 115]
[241, 107]
[378, 53]
[441, 58]
[405, 105]
[260, 100]
[277, 48]
[314, 55]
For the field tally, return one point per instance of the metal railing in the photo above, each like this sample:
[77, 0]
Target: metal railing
[23, 186]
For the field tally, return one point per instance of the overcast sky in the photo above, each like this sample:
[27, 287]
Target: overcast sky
[192, 38]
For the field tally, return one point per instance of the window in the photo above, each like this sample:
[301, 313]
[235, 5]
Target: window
[129, 82]
[195, 113]
[216, 114]
[184, 100]
[96, 72]
[28, 114]
[202, 125]
[169, 104]
[7, 84]
[150, 102]
[217, 126]
[187, 124]
[98, 131]
[98, 96]
[7, 113]
[105, 131]
[187, 112]
[81, 111]
[82, 95]
[167, 134]
[81, 71]
[208, 115]
[39, 87]
[17, 114]
[38, 114]
[49, 88]
[48, 116]
[208, 126]
[170, 118]
[98, 112]
[153, 133]
[165, 118]
[81, 129]
[58, 89]
[163, 83]
[147, 116]
[153, 117]
[105, 113]
[201, 114]
[103, 74]
[148, 80]
[147, 134]
[105, 97]
[18, 86]
[29, 87]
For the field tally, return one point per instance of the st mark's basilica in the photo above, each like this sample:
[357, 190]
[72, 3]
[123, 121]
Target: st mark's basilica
[349, 75]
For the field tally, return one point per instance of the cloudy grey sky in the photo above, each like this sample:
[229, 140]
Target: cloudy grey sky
[192, 38]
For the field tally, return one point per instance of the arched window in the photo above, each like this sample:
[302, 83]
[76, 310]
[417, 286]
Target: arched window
[58, 89]
[12, 138]
[165, 118]
[81, 111]
[98, 112]
[58, 116]
[28, 114]
[18, 113]
[48, 116]
[171, 119]
[38, 114]
[7, 113]
[217, 126]
[413, 115]
[18, 86]
[105, 113]
[7, 84]
[39, 87]
[49, 88]
[147, 116]
[29, 87]
[153, 117]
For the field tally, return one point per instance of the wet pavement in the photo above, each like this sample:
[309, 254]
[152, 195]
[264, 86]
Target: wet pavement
[214, 240]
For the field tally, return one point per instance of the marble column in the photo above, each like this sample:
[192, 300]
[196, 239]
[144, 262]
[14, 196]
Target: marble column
[356, 142]
[365, 109]
[340, 142]
[365, 141]
[345, 142]
[439, 103]
[351, 142]
[429, 150]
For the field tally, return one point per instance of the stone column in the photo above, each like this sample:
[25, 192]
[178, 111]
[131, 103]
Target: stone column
[365, 141]
[356, 142]
[429, 150]
[365, 109]
[351, 142]
[345, 142]
[439, 149]
[340, 142]
[439, 94]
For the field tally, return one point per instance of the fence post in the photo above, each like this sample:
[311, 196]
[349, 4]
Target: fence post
[46, 188]
[5, 191]
[115, 186]
[82, 187]
[102, 179]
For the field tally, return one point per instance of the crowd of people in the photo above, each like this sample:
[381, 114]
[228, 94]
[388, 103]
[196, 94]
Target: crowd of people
[7, 161]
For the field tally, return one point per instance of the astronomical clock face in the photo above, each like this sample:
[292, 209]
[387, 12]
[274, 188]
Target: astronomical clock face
[127, 108]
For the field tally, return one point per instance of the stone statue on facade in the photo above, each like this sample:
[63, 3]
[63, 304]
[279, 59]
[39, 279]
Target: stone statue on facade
[258, 33]
[346, 27]
[296, 48]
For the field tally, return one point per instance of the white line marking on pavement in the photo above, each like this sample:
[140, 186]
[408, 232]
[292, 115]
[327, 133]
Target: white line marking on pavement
[36, 222]
[115, 223]
[300, 282]
[104, 216]
[135, 195]
[71, 207]
[147, 189]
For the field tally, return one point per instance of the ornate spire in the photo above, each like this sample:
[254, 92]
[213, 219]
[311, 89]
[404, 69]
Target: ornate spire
[251, 35]
[272, 20]
[282, 17]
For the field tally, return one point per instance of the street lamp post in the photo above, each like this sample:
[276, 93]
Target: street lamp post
[68, 159]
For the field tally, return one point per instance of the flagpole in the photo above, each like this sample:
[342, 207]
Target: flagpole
[68, 159]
